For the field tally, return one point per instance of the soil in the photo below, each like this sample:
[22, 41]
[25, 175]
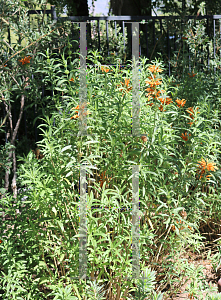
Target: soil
[211, 276]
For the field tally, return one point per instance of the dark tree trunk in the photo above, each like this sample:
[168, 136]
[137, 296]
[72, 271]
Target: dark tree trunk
[131, 8]
[77, 8]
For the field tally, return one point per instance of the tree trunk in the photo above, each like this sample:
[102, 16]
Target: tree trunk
[11, 154]
[77, 8]
[131, 8]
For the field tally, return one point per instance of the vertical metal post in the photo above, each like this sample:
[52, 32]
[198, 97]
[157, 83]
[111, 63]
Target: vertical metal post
[83, 225]
[174, 45]
[135, 223]
[124, 35]
[108, 53]
[139, 46]
[53, 13]
[99, 39]
[135, 79]
[146, 38]
[135, 132]
[207, 27]
[214, 40]
[115, 25]
[168, 46]
[83, 92]
[154, 39]
[89, 24]
[83, 131]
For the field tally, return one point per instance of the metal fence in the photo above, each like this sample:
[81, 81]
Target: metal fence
[160, 34]
[168, 29]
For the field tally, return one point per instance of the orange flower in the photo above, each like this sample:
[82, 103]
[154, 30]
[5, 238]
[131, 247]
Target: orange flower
[165, 101]
[203, 165]
[0, 241]
[161, 107]
[152, 93]
[168, 101]
[151, 104]
[184, 38]
[180, 102]
[25, 60]
[154, 69]
[153, 83]
[191, 123]
[208, 177]
[211, 167]
[192, 75]
[173, 227]
[74, 117]
[77, 116]
[104, 69]
[162, 100]
[191, 112]
[150, 90]
[185, 137]
[160, 92]
[72, 79]
[77, 108]
[126, 84]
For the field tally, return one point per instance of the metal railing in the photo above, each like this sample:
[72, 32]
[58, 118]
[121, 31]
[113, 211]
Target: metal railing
[173, 32]
[153, 28]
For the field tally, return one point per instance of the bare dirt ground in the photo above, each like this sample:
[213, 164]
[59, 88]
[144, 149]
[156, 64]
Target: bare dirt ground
[211, 276]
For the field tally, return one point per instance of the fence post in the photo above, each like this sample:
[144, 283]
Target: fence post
[214, 40]
[83, 131]
[53, 13]
[135, 169]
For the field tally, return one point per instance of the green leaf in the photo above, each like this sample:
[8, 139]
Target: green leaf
[60, 225]
[66, 148]
[43, 280]
[54, 211]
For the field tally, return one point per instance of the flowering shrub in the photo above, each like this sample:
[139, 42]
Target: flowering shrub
[179, 174]
[168, 152]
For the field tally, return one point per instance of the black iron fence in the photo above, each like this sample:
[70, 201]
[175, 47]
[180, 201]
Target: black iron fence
[158, 34]
[164, 36]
